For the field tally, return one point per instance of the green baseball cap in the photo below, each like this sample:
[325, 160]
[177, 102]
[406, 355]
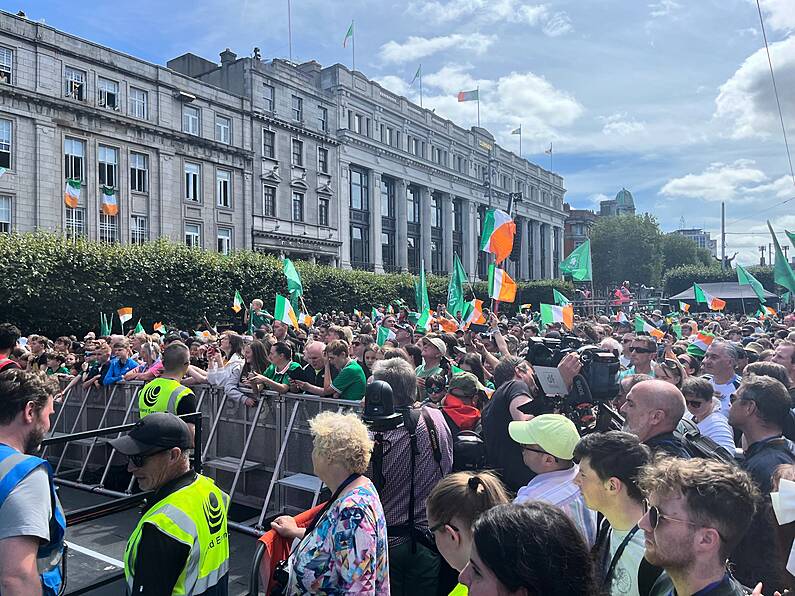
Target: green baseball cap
[554, 433]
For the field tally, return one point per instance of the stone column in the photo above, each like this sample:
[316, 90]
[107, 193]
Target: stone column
[401, 215]
[469, 237]
[344, 207]
[524, 248]
[549, 257]
[375, 225]
[425, 225]
[447, 231]
[559, 244]
[535, 226]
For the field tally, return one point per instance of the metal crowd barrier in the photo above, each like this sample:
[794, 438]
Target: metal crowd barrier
[261, 455]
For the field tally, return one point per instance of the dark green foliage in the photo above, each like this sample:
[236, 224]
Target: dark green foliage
[679, 279]
[55, 286]
[627, 247]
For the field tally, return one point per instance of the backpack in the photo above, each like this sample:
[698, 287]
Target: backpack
[469, 448]
[699, 445]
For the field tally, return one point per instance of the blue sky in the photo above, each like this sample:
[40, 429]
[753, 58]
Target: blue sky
[671, 99]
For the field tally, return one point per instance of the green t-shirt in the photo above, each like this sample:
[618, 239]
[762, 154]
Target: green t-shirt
[350, 382]
[257, 320]
[284, 377]
[424, 373]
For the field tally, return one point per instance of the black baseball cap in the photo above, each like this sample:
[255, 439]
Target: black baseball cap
[157, 431]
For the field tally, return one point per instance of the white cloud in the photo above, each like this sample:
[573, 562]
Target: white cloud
[394, 84]
[552, 23]
[415, 48]
[720, 182]
[621, 125]
[747, 98]
[558, 24]
[780, 14]
[663, 8]
[451, 79]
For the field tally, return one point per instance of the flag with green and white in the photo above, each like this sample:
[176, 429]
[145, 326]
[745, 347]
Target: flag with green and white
[782, 272]
[578, 263]
[384, 335]
[283, 311]
[348, 35]
[559, 298]
[746, 279]
[237, 304]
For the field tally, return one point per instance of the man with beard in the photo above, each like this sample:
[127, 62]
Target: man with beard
[697, 511]
[32, 523]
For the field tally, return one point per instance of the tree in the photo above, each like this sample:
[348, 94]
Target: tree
[678, 250]
[627, 247]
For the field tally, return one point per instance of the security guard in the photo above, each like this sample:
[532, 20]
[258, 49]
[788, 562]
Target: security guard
[181, 544]
[32, 523]
[166, 393]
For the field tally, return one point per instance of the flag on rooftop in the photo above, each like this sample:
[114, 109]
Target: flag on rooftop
[348, 35]
[71, 193]
[517, 131]
[501, 286]
[552, 313]
[473, 95]
[283, 311]
[416, 75]
[498, 234]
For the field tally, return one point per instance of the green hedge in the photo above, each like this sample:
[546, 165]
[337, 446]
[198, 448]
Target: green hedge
[56, 286]
[680, 278]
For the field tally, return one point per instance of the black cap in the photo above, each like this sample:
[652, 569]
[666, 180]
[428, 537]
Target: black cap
[157, 431]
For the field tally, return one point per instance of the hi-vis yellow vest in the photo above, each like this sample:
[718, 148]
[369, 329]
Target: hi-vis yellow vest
[161, 395]
[195, 516]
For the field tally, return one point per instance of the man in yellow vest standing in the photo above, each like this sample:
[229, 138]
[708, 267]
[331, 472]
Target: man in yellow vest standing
[166, 393]
[180, 545]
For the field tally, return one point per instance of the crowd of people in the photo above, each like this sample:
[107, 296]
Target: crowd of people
[485, 487]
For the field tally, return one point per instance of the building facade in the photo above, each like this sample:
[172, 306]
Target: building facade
[701, 238]
[292, 159]
[578, 227]
[623, 204]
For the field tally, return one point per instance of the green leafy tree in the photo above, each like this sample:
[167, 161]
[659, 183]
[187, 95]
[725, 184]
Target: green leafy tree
[678, 250]
[627, 247]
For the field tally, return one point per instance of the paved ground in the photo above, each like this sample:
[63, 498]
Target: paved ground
[98, 549]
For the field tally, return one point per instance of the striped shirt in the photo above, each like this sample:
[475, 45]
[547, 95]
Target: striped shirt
[558, 488]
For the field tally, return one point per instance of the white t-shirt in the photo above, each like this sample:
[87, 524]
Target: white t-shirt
[716, 427]
[725, 391]
[624, 581]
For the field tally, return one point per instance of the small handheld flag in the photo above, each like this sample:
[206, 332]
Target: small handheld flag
[551, 313]
[283, 311]
[642, 326]
[501, 286]
[237, 305]
[684, 306]
[125, 314]
[139, 328]
[384, 335]
[160, 328]
[704, 297]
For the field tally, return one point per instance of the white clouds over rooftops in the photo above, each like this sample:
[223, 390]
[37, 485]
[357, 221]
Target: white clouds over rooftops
[738, 181]
[415, 48]
[780, 14]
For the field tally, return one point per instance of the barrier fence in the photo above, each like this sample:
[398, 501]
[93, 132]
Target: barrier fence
[260, 455]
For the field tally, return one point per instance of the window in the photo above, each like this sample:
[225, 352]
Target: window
[223, 129]
[193, 235]
[139, 229]
[298, 108]
[5, 214]
[223, 188]
[108, 166]
[359, 190]
[414, 146]
[74, 152]
[322, 160]
[224, 241]
[268, 143]
[388, 198]
[322, 118]
[436, 212]
[387, 135]
[298, 206]
[298, 153]
[75, 222]
[268, 95]
[322, 212]
[458, 216]
[138, 103]
[190, 120]
[75, 83]
[388, 249]
[139, 172]
[268, 201]
[357, 123]
[461, 164]
[412, 205]
[107, 93]
[192, 176]
[108, 228]
[413, 253]
[5, 144]
[6, 66]
[360, 246]
[436, 154]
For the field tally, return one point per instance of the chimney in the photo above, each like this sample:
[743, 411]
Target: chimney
[227, 57]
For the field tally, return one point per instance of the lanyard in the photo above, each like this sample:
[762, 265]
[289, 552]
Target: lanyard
[618, 553]
[330, 502]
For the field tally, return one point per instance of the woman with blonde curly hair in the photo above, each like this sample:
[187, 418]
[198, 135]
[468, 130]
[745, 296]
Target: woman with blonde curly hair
[344, 550]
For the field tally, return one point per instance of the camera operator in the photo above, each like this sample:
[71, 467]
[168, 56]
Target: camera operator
[407, 477]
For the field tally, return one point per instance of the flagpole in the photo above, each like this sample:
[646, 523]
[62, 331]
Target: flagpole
[478, 90]
[353, 45]
[520, 140]
[290, 30]
[420, 85]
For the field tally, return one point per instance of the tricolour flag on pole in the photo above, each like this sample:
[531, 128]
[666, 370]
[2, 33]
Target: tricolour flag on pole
[448, 325]
[384, 335]
[559, 298]
[517, 131]
[110, 205]
[770, 311]
[704, 297]
[306, 319]
[469, 95]
[703, 340]
[71, 193]
[159, 327]
[237, 304]
[139, 328]
[294, 285]
[578, 263]
[552, 313]
[475, 314]
[348, 36]
[746, 279]
[416, 75]
[283, 311]
[498, 233]
[424, 319]
[125, 314]
[642, 326]
[684, 306]
[501, 286]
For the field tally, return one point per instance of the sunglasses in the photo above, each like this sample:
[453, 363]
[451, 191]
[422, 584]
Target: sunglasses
[670, 364]
[655, 516]
[643, 350]
[140, 460]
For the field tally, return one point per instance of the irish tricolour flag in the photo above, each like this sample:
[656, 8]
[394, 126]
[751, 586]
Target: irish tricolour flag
[474, 314]
[713, 302]
[642, 326]
[552, 313]
[125, 314]
[71, 193]
[498, 232]
[283, 311]
[501, 286]
[110, 205]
